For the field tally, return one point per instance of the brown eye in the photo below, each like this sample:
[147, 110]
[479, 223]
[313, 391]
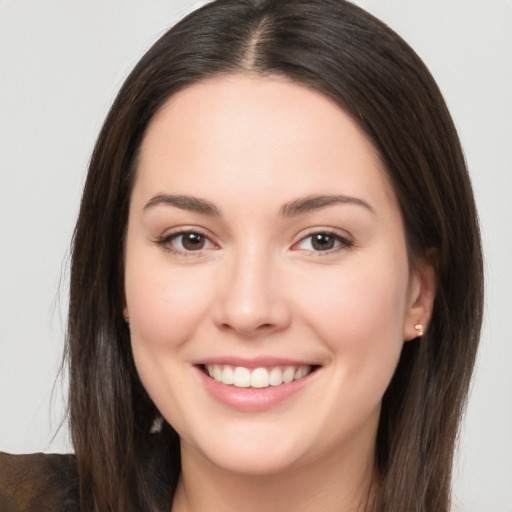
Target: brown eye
[191, 241]
[322, 242]
[185, 242]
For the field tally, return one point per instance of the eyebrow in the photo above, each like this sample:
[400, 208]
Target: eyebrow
[183, 202]
[309, 203]
[295, 207]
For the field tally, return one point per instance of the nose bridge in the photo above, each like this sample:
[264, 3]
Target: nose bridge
[252, 300]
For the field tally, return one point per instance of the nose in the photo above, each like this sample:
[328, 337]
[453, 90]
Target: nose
[252, 299]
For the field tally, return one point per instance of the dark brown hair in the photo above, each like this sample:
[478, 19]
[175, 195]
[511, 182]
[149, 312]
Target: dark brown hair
[340, 50]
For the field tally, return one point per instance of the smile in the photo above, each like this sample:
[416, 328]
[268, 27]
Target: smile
[255, 386]
[242, 377]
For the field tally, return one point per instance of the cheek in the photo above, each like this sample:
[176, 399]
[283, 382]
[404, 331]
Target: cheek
[165, 305]
[359, 313]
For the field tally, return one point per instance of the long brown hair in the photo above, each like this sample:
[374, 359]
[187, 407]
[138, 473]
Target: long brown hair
[340, 50]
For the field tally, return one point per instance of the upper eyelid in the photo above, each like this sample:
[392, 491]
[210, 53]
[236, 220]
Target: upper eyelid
[336, 232]
[187, 229]
[345, 241]
[168, 236]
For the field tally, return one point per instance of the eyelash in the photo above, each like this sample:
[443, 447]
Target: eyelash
[167, 242]
[343, 242]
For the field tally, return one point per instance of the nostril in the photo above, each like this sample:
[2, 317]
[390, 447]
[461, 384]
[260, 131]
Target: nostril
[253, 318]
[248, 329]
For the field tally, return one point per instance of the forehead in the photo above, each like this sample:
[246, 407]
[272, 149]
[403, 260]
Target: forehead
[263, 134]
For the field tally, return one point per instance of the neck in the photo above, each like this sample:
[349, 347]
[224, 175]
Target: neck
[327, 485]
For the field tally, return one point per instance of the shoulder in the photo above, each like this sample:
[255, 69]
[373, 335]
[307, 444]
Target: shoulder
[38, 483]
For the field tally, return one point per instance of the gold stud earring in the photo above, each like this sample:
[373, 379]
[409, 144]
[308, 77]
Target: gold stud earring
[419, 328]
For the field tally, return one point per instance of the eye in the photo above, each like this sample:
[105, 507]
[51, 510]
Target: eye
[190, 241]
[323, 242]
[184, 242]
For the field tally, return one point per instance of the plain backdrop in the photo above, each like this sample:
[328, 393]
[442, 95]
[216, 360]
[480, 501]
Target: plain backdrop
[61, 64]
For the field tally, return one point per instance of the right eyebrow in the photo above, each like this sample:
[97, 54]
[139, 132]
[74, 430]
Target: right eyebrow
[310, 203]
[184, 202]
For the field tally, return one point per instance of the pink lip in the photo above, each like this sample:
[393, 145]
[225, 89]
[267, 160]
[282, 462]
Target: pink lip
[250, 399]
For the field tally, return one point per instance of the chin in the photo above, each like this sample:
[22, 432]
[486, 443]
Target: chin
[252, 464]
[256, 453]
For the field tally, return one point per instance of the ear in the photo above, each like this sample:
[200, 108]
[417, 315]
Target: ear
[422, 291]
[125, 314]
[120, 281]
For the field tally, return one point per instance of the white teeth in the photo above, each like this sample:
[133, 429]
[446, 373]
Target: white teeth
[259, 378]
[228, 375]
[301, 372]
[288, 374]
[217, 373]
[275, 377]
[242, 377]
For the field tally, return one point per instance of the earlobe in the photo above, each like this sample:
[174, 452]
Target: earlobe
[126, 315]
[421, 300]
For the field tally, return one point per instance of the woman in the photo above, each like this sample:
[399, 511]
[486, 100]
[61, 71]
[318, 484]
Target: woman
[278, 309]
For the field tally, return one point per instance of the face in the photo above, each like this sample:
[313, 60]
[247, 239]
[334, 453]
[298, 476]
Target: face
[266, 275]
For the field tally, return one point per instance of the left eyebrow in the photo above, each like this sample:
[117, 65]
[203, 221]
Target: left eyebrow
[310, 203]
[184, 203]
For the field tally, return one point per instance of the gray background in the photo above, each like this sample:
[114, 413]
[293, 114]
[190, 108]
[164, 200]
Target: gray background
[61, 63]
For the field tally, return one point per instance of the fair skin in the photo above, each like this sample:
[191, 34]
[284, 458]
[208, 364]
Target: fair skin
[231, 267]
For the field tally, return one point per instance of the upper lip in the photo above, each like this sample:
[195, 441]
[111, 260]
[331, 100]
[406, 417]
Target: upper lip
[257, 362]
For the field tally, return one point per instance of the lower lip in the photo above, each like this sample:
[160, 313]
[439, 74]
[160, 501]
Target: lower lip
[252, 399]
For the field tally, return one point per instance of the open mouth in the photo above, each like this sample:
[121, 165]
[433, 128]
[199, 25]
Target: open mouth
[261, 377]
